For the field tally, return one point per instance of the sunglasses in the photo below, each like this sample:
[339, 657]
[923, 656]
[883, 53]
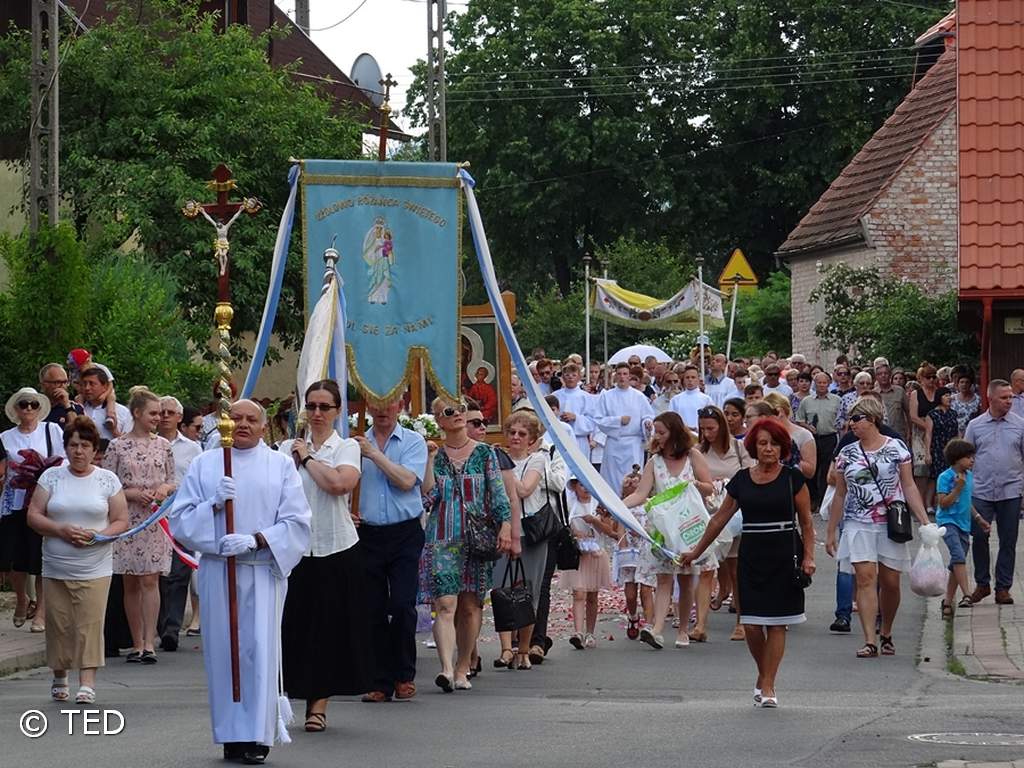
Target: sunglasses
[168, 413]
[858, 418]
[476, 422]
[322, 407]
[451, 410]
[706, 413]
[29, 405]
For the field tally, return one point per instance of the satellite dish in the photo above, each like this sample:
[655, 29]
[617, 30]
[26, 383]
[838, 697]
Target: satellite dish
[367, 75]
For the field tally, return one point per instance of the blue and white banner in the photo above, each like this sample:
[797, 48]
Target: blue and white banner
[397, 227]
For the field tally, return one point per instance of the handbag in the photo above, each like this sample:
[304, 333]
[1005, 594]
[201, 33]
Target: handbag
[544, 523]
[567, 551]
[898, 525]
[800, 579]
[479, 533]
[512, 602]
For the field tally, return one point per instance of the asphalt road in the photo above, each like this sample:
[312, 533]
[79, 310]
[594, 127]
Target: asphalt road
[622, 704]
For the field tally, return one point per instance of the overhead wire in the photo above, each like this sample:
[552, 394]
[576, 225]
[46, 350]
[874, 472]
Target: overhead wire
[343, 20]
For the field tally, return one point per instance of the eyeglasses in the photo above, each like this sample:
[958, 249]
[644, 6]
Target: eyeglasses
[476, 422]
[842, 373]
[451, 410]
[322, 407]
[56, 383]
[168, 413]
[29, 405]
[857, 418]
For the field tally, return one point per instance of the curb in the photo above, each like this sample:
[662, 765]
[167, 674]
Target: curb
[22, 662]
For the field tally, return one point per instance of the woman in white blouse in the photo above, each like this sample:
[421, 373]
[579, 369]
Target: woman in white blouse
[324, 635]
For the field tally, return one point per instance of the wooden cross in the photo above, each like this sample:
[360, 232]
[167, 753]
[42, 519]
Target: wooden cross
[222, 214]
[385, 116]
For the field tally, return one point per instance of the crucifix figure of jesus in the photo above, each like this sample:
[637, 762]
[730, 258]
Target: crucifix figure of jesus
[222, 214]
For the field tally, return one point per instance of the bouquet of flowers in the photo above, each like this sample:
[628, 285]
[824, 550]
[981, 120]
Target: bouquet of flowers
[425, 424]
[353, 421]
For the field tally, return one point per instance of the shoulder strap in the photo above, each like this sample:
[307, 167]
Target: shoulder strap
[872, 471]
[49, 440]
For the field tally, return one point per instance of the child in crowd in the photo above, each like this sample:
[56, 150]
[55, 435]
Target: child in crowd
[954, 488]
[626, 558]
[942, 427]
[591, 526]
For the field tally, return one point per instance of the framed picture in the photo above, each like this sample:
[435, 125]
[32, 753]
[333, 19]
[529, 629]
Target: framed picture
[485, 367]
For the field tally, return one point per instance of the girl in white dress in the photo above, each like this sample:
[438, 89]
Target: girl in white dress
[592, 530]
[675, 459]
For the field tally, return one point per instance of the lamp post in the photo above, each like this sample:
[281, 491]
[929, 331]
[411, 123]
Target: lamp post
[604, 323]
[700, 311]
[587, 258]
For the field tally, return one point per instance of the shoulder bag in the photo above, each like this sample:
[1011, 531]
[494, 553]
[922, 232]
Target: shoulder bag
[800, 579]
[898, 525]
[544, 523]
[512, 602]
[479, 533]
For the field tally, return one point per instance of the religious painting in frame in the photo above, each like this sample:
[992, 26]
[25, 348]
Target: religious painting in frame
[485, 368]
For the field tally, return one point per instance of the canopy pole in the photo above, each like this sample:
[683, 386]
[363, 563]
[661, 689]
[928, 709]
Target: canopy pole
[604, 361]
[586, 297]
[700, 312]
[732, 316]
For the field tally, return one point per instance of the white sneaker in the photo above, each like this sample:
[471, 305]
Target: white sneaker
[590, 641]
[683, 641]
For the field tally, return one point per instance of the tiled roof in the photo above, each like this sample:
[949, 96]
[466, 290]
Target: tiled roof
[835, 218]
[991, 126]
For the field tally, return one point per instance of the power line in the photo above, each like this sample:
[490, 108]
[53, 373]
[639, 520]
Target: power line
[346, 18]
[679, 156]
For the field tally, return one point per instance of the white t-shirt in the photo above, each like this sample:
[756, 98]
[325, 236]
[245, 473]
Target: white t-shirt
[332, 527]
[687, 403]
[98, 413]
[183, 450]
[15, 440]
[81, 501]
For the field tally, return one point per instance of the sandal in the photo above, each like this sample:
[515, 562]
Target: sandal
[59, 689]
[85, 695]
[888, 649]
[716, 603]
[633, 628]
[947, 610]
[536, 654]
[19, 621]
[477, 668]
[316, 722]
[502, 662]
[965, 602]
[869, 651]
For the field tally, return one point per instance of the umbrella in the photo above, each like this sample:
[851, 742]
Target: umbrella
[643, 351]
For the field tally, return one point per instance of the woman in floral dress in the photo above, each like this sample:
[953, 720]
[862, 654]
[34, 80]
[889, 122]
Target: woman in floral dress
[462, 478]
[144, 464]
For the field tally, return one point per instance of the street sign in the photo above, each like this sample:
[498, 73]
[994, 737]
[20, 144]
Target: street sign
[737, 272]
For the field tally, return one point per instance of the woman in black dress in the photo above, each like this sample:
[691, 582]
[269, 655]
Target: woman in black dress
[772, 497]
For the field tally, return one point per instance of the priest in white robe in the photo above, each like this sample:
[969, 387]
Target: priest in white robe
[625, 415]
[272, 529]
[576, 407]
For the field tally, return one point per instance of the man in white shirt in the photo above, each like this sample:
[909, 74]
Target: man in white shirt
[174, 586]
[691, 399]
[625, 416]
[96, 385]
[771, 382]
[575, 406]
[717, 385]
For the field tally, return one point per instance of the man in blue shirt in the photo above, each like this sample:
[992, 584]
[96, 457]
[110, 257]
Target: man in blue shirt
[391, 537]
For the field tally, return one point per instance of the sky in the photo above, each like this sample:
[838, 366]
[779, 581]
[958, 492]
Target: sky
[393, 31]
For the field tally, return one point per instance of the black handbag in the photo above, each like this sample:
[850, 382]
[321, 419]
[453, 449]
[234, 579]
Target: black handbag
[898, 525]
[567, 551]
[544, 523]
[800, 579]
[512, 602]
[479, 533]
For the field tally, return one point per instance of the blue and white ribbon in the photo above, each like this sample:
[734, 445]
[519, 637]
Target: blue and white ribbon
[155, 515]
[581, 467]
[277, 265]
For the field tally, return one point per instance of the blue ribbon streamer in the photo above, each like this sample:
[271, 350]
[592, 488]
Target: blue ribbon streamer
[277, 268]
[162, 510]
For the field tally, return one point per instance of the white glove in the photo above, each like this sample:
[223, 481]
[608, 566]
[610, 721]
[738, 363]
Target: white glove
[225, 490]
[234, 544]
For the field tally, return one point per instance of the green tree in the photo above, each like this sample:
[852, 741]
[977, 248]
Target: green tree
[871, 314]
[151, 101]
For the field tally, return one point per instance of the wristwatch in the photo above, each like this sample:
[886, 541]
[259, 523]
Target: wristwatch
[306, 460]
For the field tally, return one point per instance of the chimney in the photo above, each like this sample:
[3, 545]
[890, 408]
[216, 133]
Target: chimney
[302, 15]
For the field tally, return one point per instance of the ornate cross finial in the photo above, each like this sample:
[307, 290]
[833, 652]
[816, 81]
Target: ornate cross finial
[386, 84]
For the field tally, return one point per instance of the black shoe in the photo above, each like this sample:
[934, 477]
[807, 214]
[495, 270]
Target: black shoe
[841, 624]
[133, 657]
[148, 657]
[234, 750]
[111, 653]
[169, 643]
[255, 754]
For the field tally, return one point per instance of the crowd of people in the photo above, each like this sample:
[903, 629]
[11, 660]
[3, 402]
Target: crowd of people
[329, 530]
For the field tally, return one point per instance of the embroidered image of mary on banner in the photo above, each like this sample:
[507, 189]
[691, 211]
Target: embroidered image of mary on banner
[398, 228]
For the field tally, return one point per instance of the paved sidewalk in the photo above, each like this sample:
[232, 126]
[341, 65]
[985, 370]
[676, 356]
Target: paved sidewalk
[19, 648]
[988, 639]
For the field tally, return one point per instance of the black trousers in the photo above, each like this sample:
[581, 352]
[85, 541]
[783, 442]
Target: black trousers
[825, 446]
[540, 627]
[391, 558]
[173, 596]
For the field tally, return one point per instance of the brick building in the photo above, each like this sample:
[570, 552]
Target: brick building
[894, 204]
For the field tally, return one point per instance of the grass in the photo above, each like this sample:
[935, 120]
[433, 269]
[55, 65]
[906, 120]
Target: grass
[954, 667]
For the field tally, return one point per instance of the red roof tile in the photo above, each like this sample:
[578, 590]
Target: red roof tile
[835, 218]
[991, 131]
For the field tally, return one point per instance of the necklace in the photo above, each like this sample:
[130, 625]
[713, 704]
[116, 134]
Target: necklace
[459, 447]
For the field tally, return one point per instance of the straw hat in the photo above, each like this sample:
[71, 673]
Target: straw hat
[23, 394]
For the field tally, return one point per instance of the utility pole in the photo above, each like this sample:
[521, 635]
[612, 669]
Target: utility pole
[44, 137]
[437, 123]
[301, 15]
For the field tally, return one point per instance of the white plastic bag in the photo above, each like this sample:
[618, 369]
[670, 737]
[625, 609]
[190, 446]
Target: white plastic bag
[826, 503]
[680, 516]
[928, 574]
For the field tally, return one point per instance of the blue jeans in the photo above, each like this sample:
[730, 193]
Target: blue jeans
[1006, 514]
[844, 592]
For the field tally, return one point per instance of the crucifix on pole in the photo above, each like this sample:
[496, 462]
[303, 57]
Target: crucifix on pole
[222, 214]
[385, 116]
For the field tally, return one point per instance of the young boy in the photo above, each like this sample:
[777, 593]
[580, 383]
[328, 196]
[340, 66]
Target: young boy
[954, 488]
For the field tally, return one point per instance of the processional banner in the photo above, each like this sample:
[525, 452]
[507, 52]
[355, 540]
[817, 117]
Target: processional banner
[611, 301]
[398, 229]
